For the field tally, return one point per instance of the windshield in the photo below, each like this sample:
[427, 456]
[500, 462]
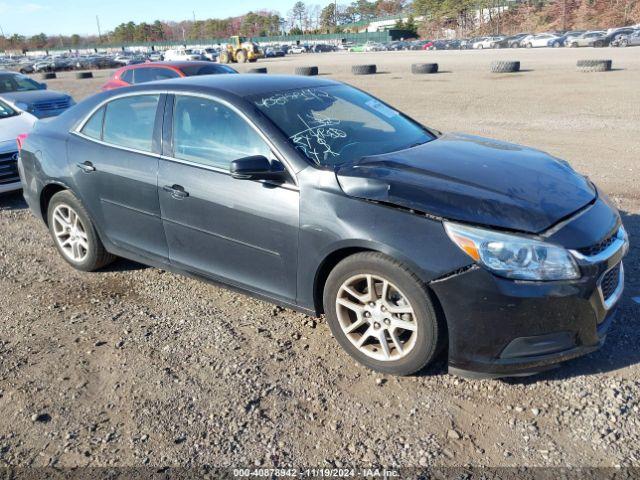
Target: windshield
[339, 124]
[17, 83]
[6, 111]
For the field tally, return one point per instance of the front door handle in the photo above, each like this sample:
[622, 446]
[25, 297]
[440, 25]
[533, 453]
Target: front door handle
[87, 167]
[176, 191]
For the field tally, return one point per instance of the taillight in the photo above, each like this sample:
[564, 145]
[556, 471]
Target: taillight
[21, 139]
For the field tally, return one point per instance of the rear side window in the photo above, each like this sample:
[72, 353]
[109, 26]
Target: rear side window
[93, 128]
[127, 76]
[144, 75]
[129, 121]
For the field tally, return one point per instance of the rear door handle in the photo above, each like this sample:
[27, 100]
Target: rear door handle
[87, 167]
[176, 191]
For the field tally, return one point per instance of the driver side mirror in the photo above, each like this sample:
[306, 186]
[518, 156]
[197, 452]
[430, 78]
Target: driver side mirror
[257, 167]
[43, 86]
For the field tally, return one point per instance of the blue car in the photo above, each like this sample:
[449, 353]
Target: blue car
[31, 96]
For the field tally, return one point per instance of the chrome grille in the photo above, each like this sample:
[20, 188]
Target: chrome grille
[9, 168]
[52, 105]
[600, 246]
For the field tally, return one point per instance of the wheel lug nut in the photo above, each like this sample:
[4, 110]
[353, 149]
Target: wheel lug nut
[367, 314]
[387, 321]
[376, 325]
[371, 304]
[383, 308]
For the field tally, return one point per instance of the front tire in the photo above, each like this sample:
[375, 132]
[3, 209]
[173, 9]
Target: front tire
[382, 314]
[74, 235]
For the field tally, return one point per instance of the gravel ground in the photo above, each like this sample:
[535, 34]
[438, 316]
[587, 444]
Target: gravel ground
[135, 366]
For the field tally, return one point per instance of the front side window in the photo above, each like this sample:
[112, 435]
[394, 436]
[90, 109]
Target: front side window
[17, 83]
[129, 121]
[209, 133]
[339, 124]
[6, 111]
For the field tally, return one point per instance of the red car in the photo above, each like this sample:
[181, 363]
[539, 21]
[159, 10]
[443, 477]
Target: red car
[151, 71]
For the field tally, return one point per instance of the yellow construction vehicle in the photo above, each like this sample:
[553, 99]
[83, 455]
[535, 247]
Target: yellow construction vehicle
[240, 50]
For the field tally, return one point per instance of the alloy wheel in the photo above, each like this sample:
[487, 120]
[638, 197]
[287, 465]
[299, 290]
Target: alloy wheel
[376, 317]
[70, 233]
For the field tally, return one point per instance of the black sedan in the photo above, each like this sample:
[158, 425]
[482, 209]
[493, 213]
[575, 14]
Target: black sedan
[315, 195]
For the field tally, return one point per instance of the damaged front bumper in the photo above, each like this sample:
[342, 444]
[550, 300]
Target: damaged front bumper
[500, 327]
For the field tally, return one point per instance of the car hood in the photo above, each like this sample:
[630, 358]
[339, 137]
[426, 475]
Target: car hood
[11, 127]
[32, 96]
[472, 179]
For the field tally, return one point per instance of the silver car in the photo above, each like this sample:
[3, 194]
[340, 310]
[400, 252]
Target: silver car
[586, 39]
[630, 40]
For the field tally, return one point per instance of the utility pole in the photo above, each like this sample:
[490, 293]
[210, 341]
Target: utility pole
[99, 32]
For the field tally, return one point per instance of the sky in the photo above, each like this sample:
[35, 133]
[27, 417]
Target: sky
[30, 17]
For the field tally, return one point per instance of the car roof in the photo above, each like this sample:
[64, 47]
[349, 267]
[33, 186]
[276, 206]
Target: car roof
[174, 64]
[242, 85]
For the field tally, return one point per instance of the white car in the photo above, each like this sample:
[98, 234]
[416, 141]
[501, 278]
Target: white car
[539, 40]
[372, 47]
[481, 43]
[13, 122]
[486, 42]
[297, 49]
[181, 54]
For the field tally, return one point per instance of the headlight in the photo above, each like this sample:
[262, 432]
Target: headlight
[513, 256]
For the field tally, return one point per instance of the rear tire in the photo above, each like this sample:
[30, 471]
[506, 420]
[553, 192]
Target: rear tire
[378, 320]
[74, 235]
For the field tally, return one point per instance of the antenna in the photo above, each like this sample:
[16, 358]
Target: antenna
[99, 33]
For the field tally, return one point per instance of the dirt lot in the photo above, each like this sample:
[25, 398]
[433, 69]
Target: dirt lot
[134, 366]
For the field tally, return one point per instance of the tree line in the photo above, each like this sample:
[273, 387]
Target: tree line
[435, 18]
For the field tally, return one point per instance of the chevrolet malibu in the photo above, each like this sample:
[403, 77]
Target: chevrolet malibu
[315, 195]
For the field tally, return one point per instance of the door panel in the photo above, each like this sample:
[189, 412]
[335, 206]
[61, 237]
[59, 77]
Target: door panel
[121, 194]
[114, 162]
[240, 231]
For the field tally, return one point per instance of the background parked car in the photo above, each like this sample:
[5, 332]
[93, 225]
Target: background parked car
[612, 36]
[181, 55]
[150, 72]
[398, 46]
[512, 41]
[539, 40]
[587, 39]
[25, 94]
[298, 49]
[630, 40]
[13, 122]
[322, 47]
[272, 52]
